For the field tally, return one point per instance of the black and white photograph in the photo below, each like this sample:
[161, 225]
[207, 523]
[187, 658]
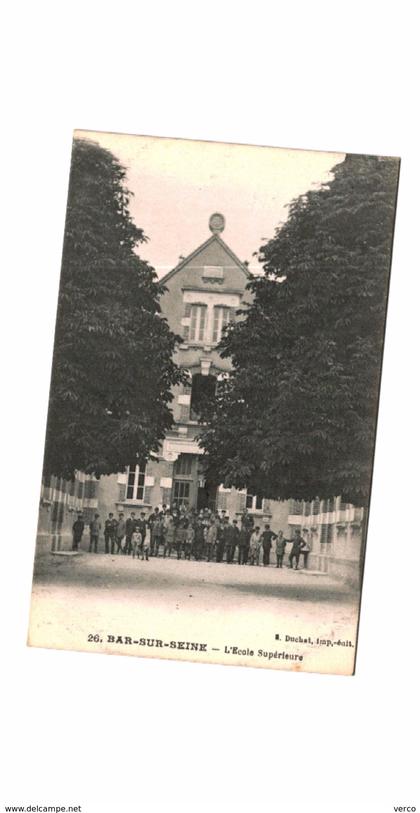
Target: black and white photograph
[210, 445]
[213, 402]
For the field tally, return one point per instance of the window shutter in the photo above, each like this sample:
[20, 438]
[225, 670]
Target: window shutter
[216, 317]
[241, 502]
[91, 488]
[187, 315]
[202, 322]
[221, 501]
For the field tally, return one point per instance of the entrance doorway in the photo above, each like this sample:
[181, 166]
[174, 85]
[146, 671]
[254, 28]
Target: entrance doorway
[206, 496]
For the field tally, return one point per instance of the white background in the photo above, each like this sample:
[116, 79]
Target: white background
[127, 734]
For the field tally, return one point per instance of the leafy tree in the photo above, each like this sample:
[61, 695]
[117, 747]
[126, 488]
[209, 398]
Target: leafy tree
[297, 417]
[112, 367]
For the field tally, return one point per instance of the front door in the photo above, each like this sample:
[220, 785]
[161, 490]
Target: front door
[206, 497]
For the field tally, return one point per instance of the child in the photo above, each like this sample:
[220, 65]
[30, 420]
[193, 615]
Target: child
[189, 540]
[168, 536]
[136, 542]
[255, 545]
[146, 545]
[180, 533]
[280, 546]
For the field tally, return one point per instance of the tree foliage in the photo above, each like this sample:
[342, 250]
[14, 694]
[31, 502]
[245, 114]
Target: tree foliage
[297, 417]
[112, 366]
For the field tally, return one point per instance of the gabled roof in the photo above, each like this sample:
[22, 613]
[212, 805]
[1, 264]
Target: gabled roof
[215, 238]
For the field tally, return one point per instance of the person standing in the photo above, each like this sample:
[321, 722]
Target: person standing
[211, 539]
[255, 546]
[280, 546]
[129, 530]
[232, 534]
[221, 540]
[157, 538]
[109, 532]
[305, 551]
[77, 529]
[189, 540]
[180, 532]
[119, 533]
[145, 543]
[243, 546]
[267, 537]
[247, 521]
[198, 540]
[142, 527]
[297, 544]
[136, 542]
[95, 529]
[152, 520]
[168, 536]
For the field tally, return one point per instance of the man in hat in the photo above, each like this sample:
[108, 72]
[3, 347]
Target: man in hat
[297, 544]
[267, 538]
[109, 532]
[95, 528]
[129, 530]
[119, 533]
[78, 528]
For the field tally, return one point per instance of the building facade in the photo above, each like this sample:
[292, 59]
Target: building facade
[335, 532]
[203, 294]
[60, 503]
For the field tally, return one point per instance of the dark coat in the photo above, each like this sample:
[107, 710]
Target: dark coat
[297, 544]
[266, 538]
[78, 528]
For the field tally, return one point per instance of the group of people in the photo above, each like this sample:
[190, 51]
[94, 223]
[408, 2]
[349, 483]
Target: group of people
[201, 535]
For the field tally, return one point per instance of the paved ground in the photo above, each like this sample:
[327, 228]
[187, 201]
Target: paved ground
[217, 604]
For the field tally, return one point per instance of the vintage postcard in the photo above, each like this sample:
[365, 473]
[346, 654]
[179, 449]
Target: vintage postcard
[213, 402]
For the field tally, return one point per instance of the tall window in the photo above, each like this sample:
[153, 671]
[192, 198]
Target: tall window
[181, 493]
[91, 489]
[135, 483]
[221, 317]
[326, 533]
[202, 391]
[254, 503]
[197, 323]
[183, 464]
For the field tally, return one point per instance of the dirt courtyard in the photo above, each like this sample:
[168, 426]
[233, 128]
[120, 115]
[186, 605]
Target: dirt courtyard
[93, 602]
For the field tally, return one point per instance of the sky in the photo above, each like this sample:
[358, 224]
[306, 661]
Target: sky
[179, 183]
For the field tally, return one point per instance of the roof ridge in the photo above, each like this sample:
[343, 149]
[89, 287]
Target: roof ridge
[211, 239]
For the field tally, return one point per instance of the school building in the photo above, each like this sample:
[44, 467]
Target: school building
[204, 293]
